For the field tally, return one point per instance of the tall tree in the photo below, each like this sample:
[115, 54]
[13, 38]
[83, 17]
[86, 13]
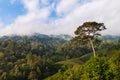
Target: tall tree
[88, 31]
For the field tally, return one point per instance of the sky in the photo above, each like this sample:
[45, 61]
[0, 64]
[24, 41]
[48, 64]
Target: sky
[25, 17]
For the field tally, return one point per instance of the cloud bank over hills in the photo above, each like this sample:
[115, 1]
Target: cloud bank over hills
[61, 16]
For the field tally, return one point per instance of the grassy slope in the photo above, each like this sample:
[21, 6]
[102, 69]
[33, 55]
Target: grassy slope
[82, 59]
[76, 62]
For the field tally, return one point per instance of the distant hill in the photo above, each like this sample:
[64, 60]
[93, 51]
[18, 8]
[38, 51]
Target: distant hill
[38, 36]
[62, 36]
[48, 40]
[111, 37]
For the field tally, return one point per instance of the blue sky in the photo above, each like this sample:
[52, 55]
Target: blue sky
[56, 16]
[10, 10]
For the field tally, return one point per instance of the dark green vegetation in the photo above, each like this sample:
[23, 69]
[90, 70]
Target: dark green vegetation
[98, 68]
[88, 33]
[41, 57]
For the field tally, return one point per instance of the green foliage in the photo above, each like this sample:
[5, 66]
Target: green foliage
[98, 68]
[89, 30]
[24, 60]
[28, 58]
[88, 33]
[72, 49]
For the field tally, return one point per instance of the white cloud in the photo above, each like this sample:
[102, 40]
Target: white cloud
[98, 10]
[66, 6]
[31, 22]
[45, 2]
[31, 5]
[74, 12]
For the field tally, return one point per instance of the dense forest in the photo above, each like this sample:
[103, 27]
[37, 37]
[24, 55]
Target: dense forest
[61, 57]
[40, 57]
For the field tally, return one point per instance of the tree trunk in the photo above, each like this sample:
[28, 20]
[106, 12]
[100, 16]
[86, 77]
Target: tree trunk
[92, 47]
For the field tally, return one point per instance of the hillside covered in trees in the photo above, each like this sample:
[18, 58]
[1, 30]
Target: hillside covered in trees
[40, 57]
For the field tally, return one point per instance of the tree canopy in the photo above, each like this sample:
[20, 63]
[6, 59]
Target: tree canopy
[88, 31]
